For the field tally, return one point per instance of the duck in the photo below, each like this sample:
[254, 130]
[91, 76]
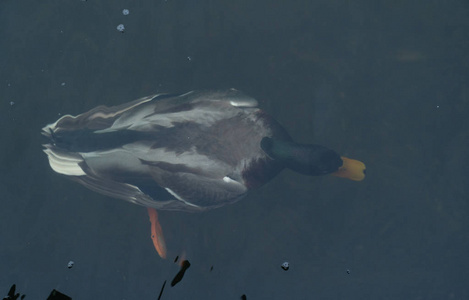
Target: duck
[183, 152]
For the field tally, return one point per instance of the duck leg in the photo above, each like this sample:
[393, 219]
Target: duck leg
[157, 233]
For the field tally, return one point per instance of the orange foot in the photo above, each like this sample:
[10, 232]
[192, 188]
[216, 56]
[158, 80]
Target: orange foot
[157, 233]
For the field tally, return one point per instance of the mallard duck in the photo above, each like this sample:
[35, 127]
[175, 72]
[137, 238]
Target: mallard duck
[189, 152]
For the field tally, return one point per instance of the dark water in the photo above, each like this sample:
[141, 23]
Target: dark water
[385, 82]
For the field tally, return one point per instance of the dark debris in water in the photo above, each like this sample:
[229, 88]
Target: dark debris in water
[11, 294]
[162, 288]
[184, 266]
[56, 295]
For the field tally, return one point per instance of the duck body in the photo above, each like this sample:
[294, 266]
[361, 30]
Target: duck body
[188, 152]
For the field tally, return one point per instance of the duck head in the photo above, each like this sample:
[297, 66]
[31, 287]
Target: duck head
[313, 160]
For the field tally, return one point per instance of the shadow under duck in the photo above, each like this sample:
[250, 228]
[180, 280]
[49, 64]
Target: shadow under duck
[190, 152]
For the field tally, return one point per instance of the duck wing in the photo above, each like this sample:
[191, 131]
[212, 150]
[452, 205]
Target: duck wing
[164, 111]
[196, 188]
